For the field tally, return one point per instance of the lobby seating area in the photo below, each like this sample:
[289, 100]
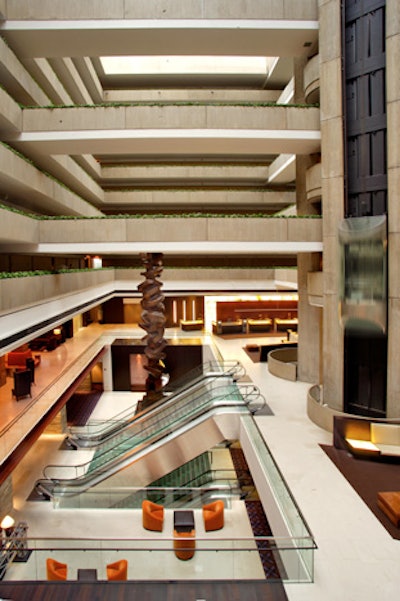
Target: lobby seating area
[254, 326]
[17, 359]
[58, 570]
[184, 531]
[365, 437]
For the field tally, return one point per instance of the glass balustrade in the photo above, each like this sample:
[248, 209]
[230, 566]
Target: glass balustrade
[154, 558]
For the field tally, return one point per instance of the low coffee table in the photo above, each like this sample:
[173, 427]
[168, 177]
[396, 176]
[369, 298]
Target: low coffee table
[87, 574]
[183, 520]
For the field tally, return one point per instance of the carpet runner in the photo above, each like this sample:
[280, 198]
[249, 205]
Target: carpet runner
[368, 477]
[80, 407]
[258, 519]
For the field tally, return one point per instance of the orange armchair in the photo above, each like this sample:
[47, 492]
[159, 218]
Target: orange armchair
[184, 544]
[56, 570]
[213, 515]
[152, 516]
[117, 570]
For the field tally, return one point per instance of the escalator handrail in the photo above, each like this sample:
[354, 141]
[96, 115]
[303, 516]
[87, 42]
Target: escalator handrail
[197, 403]
[185, 420]
[156, 409]
[209, 369]
[72, 487]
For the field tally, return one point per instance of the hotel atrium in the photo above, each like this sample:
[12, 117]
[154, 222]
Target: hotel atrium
[249, 146]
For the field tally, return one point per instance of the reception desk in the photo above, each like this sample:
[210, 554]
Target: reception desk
[282, 325]
[192, 324]
[228, 327]
[259, 325]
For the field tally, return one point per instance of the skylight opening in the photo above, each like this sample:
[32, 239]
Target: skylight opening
[170, 65]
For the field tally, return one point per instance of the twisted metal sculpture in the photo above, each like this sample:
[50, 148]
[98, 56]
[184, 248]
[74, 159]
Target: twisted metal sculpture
[153, 321]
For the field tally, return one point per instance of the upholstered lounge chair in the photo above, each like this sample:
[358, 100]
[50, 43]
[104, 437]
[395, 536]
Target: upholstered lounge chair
[184, 544]
[213, 515]
[56, 570]
[117, 570]
[152, 516]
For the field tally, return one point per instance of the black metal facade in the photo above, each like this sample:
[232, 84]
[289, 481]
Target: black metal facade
[365, 106]
[364, 109]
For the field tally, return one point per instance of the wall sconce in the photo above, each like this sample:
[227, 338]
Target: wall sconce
[7, 525]
[57, 331]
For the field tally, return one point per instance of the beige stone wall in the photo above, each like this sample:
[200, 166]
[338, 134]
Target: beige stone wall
[192, 200]
[170, 117]
[59, 423]
[22, 292]
[332, 185]
[309, 329]
[154, 9]
[6, 497]
[178, 229]
[393, 143]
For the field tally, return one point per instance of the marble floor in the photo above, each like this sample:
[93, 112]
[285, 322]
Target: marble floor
[356, 558]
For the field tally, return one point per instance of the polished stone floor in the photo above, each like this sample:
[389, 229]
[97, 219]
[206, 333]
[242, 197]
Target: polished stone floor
[356, 559]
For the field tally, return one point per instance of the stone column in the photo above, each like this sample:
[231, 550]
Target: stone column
[107, 371]
[393, 173]
[309, 354]
[308, 362]
[332, 184]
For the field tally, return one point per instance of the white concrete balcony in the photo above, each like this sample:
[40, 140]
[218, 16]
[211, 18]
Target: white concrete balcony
[170, 130]
[152, 9]
[185, 235]
[311, 80]
[39, 192]
[211, 28]
[313, 183]
[192, 200]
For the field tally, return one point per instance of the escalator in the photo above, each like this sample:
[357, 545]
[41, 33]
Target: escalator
[187, 387]
[157, 442]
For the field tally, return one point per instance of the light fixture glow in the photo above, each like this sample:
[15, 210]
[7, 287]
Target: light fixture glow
[7, 522]
[139, 65]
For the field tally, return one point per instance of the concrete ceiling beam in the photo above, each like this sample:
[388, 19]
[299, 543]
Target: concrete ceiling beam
[57, 38]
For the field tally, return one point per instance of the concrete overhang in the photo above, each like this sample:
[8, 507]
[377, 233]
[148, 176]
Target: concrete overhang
[151, 174]
[57, 38]
[186, 248]
[150, 142]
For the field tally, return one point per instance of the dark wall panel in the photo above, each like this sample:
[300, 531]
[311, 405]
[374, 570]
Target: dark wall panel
[365, 128]
[113, 311]
[364, 69]
[179, 360]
